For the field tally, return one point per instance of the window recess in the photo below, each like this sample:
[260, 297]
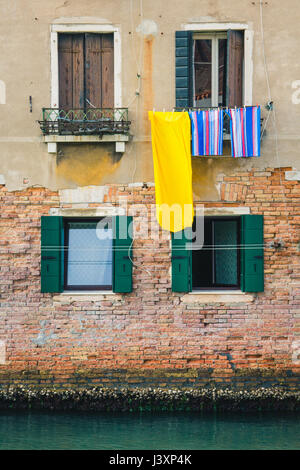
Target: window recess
[209, 69]
[232, 256]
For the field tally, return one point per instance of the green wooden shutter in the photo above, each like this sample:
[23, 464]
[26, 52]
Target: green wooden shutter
[51, 254]
[122, 269]
[252, 253]
[181, 264]
[183, 69]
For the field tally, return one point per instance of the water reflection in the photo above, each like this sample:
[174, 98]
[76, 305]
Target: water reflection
[45, 430]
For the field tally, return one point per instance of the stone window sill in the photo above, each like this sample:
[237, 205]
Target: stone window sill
[217, 296]
[118, 139]
[90, 296]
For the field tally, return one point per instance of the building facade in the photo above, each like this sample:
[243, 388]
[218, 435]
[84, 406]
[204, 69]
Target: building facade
[76, 86]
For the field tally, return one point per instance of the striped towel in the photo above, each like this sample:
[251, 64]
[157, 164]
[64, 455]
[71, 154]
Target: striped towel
[245, 131]
[207, 132]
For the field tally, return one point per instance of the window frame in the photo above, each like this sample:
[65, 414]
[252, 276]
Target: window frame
[214, 37]
[84, 28]
[221, 287]
[248, 50]
[83, 288]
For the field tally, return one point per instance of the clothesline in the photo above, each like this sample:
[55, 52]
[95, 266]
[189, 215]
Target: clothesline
[204, 108]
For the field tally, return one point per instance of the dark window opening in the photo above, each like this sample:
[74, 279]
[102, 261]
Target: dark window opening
[88, 254]
[217, 264]
[209, 69]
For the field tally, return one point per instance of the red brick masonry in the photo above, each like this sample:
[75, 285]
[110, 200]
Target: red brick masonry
[152, 336]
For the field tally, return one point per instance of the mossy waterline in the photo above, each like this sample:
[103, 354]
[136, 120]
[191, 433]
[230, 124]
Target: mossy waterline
[149, 399]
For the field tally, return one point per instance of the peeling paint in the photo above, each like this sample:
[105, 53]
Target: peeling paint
[205, 173]
[87, 194]
[147, 28]
[88, 166]
[42, 337]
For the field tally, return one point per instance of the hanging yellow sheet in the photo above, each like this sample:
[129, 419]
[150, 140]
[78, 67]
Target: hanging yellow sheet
[171, 146]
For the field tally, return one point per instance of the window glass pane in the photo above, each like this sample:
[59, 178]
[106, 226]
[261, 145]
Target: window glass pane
[89, 255]
[225, 236]
[202, 72]
[222, 46]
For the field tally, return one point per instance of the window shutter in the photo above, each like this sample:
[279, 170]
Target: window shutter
[252, 253]
[122, 273]
[181, 264]
[235, 65]
[71, 70]
[183, 69]
[99, 69]
[51, 254]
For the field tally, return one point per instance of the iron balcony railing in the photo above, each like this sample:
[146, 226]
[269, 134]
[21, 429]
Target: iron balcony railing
[91, 121]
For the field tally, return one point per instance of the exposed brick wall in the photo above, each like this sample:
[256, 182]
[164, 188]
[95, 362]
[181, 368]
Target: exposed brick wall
[152, 336]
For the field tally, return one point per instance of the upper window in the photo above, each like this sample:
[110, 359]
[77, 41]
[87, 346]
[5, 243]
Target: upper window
[86, 70]
[210, 69]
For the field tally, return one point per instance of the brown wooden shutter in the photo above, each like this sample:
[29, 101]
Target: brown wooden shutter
[108, 71]
[99, 69]
[235, 62]
[71, 70]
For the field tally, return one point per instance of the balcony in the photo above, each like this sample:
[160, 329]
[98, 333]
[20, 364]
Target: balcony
[85, 125]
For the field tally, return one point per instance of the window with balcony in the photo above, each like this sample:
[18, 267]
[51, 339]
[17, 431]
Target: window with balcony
[210, 69]
[86, 88]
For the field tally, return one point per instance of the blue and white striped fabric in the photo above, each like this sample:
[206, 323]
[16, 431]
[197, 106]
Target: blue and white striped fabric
[207, 132]
[245, 131]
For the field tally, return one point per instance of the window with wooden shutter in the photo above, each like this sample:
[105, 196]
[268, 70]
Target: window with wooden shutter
[86, 254]
[232, 256]
[209, 69]
[86, 71]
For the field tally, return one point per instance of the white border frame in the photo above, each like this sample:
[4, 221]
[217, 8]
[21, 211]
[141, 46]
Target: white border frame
[85, 28]
[248, 49]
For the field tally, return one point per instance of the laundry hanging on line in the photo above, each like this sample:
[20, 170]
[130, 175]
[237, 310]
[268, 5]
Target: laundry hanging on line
[207, 132]
[245, 131]
[171, 146]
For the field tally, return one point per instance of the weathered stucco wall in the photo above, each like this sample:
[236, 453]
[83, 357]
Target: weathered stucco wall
[25, 71]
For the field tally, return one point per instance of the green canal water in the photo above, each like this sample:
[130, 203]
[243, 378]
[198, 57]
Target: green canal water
[62, 430]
